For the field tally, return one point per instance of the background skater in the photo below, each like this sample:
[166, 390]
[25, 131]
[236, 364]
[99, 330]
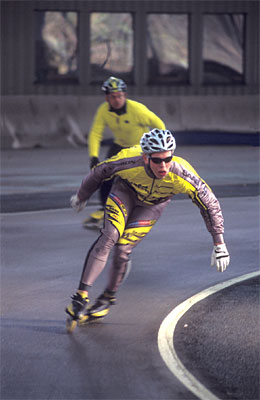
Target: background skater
[127, 120]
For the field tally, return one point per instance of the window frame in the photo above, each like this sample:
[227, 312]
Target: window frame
[243, 75]
[140, 84]
[130, 79]
[166, 80]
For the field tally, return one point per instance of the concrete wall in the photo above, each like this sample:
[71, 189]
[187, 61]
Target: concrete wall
[29, 121]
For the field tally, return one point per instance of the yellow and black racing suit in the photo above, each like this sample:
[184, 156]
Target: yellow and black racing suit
[127, 125]
[135, 203]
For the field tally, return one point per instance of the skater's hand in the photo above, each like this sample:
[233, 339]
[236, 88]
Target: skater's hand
[76, 204]
[93, 162]
[220, 257]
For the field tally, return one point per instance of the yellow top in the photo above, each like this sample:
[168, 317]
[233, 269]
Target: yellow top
[127, 128]
[128, 165]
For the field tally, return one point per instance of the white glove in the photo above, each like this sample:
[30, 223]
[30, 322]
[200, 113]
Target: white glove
[76, 204]
[220, 257]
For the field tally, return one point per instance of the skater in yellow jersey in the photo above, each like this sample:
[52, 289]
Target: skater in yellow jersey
[146, 179]
[127, 120]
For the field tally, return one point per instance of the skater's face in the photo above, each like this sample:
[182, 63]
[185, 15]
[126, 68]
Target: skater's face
[159, 163]
[116, 100]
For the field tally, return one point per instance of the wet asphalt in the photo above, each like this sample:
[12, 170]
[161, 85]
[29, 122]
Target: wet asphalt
[218, 338]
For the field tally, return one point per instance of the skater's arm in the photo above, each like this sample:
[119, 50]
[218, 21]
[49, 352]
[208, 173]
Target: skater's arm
[212, 214]
[96, 132]
[89, 185]
[192, 184]
[149, 118]
[107, 170]
[210, 210]
[146, 119]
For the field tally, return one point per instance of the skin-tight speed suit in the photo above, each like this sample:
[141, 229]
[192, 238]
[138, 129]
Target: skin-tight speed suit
[136, 201]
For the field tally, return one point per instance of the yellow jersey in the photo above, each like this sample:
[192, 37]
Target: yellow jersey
[127, 128]
[128, 166]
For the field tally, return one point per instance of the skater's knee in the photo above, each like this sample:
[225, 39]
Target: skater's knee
[122, 252]
[108, 239]
[102, 247]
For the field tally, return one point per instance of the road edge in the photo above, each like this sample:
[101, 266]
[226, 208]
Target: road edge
[166, 333]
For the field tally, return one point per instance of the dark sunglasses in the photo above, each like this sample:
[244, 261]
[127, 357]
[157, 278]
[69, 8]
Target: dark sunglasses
[157, 160]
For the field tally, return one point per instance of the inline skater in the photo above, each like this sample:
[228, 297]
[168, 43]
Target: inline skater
[146, 178]
[128, 120]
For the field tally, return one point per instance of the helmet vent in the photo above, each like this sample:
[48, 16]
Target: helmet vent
[157, 140]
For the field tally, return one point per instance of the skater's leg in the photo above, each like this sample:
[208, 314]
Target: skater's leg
[93, 266]
[116, 215]
[138, 226]
[134, 232]
[97, 256]
[118, 208]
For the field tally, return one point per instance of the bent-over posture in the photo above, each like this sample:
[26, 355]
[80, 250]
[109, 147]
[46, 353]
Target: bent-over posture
[146, 178]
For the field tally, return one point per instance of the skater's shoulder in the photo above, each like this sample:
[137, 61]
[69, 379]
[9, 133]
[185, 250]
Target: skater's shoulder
[130, 152]
[133, 151]
[136, 105]
[103, 108]
[180, 161]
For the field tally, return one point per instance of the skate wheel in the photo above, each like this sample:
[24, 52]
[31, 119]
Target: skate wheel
[70, 324]
[84, 319]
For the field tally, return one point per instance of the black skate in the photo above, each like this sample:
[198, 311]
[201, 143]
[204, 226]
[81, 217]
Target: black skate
[77, 311]
[101, 307]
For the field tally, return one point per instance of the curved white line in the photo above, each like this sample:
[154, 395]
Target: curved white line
[166, 332]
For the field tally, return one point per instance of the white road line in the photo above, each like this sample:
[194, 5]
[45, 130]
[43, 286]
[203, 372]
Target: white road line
[166, 333]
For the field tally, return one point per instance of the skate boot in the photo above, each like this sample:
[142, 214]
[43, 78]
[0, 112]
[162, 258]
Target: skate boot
[102, 305]
[77, 310]
[95, 220]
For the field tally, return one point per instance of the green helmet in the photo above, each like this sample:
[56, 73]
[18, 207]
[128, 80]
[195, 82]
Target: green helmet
[113, 85]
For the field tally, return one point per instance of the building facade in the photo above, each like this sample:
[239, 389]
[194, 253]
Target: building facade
[195, 63]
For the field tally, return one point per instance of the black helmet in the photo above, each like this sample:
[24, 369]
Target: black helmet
[113, 85]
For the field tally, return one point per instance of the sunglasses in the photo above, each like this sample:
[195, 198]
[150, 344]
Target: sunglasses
[157, 160]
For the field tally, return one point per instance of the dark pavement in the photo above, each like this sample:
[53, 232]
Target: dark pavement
[218, 338]
[42, 256]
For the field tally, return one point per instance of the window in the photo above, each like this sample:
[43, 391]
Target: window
[56, 47]
[111, 48]
[223, 41]
[167, 48]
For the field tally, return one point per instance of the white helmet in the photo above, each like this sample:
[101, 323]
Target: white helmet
[157, 140]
